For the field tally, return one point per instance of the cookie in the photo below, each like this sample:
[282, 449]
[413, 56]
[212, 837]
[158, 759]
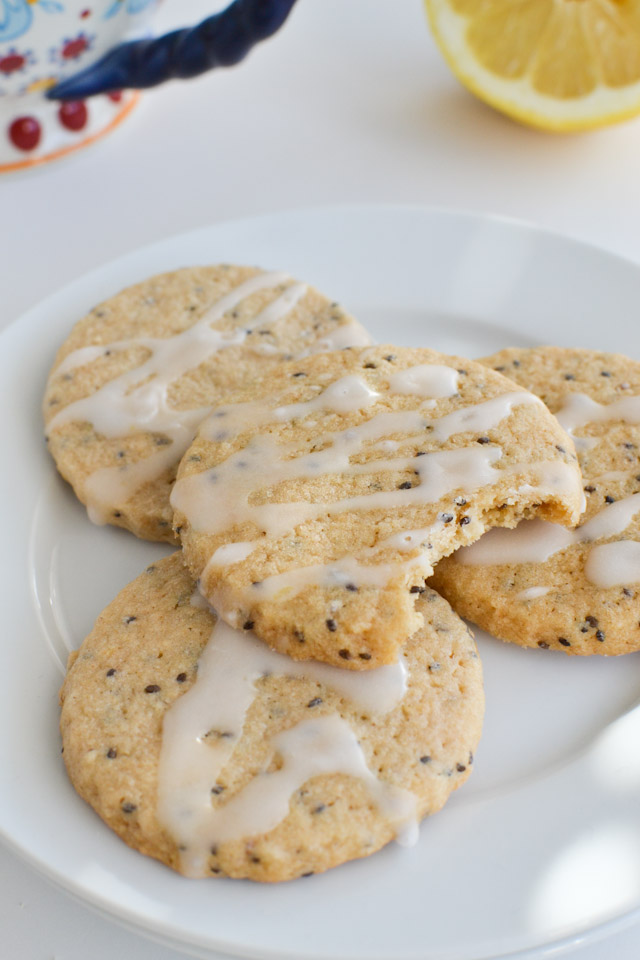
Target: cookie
[204, 749]
[314, 506]
[138, 374]
[543, 586]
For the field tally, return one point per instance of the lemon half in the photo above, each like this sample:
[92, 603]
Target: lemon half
[557, 64]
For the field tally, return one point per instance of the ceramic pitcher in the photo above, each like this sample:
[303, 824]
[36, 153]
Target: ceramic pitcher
[55, 54]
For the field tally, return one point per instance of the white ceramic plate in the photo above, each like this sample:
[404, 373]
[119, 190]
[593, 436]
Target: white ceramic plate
[542, 847]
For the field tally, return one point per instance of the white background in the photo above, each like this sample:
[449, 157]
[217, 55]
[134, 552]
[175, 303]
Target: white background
[351, 102]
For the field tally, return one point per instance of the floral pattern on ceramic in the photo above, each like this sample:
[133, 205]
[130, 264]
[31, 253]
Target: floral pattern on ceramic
[33, 83]
[16, 16]
[71, 48]
[43, 42]
[131, 6]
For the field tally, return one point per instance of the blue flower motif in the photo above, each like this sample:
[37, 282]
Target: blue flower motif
[16, 16]
[131, 6]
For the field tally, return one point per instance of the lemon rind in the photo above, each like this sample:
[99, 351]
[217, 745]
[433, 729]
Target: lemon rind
[517, 98]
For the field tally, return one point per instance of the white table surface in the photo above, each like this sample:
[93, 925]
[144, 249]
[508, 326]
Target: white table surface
[351, 102]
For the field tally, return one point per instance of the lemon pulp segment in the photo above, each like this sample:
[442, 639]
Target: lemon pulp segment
[557, 64]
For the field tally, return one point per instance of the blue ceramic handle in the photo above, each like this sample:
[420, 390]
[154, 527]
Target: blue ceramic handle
[219, 41]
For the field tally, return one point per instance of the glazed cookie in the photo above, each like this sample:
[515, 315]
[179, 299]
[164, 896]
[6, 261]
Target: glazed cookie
[138, 374]
[313, 507]
[541, 585]
[203, 748]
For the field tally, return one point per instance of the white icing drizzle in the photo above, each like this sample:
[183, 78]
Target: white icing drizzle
[263, 464]
[532, 593]
[230, 553]
[197, 600]
[482, 416]
[203, 727]
[534, 541]
[342, 572]
[349, 334]
[137, 400]
[611, 520]
[109, 486]
[407, 540]
[614, 564]
[579, 410]
[426, 380]
[346, 395]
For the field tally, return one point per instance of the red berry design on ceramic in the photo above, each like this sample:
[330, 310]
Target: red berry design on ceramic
[11, 63]
[74, 48]
[25, 133]
[115, 95]
[73, 114]
[85, 14]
